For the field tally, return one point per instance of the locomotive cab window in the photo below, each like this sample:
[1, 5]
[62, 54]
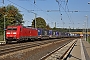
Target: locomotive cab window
[9, 29]
[12, 29]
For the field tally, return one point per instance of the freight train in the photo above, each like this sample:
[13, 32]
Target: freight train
[20, 33]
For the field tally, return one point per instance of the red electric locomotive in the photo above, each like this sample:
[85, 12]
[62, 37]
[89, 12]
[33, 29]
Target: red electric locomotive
[19, 33]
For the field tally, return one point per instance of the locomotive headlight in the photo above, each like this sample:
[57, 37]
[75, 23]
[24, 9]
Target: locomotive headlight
[8, 32]
[14, 32]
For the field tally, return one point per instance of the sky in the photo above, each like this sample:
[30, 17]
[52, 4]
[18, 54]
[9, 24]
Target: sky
[66, 13]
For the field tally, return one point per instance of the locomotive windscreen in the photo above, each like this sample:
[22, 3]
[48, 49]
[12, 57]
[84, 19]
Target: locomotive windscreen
[11, 28]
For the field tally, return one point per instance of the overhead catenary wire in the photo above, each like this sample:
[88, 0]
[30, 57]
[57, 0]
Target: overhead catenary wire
[59, 4]
[30, 11]
[21, 6]
[68, 15]
[66, 6]
[42, 11]
[73, 11]
[34, 1]
[27, 9]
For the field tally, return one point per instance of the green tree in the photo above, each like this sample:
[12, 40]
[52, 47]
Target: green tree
[40, 23]
[48, 27]
[13, 17]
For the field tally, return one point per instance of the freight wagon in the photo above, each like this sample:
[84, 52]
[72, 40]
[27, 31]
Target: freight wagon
[54, 34]
[43, 33]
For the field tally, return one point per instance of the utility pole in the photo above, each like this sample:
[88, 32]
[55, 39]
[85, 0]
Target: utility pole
[85, 30]
[86, 27]
[4, 23]
[55, 24]
[63, 25]
[73, 25]
[4, 26]
[35, 21]
[69, 29]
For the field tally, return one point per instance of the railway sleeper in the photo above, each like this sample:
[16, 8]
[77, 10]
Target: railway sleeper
[60, 53]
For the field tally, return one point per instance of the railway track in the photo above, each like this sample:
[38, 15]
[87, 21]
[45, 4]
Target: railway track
[60, 53]
[20, 46]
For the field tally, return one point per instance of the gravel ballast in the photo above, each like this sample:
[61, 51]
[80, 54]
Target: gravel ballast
[34, 53]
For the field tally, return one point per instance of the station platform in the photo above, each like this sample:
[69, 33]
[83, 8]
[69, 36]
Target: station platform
[2, 42]
[81, 51]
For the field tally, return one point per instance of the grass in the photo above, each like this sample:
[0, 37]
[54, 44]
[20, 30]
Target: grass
[1, 38]
[89, 39]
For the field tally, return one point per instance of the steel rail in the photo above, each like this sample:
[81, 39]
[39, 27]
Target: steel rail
[64, 55]
[11, 48]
